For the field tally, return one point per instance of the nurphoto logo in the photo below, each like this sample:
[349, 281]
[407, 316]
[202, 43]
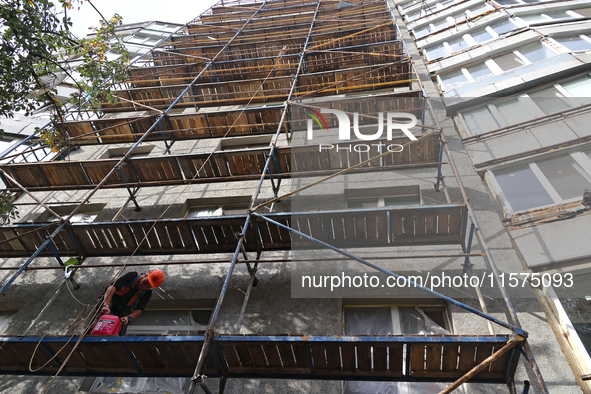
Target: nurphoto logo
[393, 122]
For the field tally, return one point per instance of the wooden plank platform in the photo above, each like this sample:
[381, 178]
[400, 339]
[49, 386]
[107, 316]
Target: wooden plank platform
[214, 124]
[351, 228]
[432, 358]
[222, 166]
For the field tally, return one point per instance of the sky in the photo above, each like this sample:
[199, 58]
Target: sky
[178, 11]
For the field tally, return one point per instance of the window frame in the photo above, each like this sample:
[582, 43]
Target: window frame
[65, 210]
[225, 203]
[457, 17]
[381, 194]
[445, 310]
[547, 18]
[468, 38]
[585, 37]
[579, 157]
[525, 100]
[492, 66]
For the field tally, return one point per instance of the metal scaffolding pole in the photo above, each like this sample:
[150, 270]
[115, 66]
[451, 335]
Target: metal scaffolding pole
[197, 377]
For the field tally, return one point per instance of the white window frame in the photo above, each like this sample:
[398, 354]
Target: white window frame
[527, 102]
[565, 49]
[468, 38]
[457, 17]
[580, 158]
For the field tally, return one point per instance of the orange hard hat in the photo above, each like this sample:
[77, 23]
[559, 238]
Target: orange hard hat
[155, 277]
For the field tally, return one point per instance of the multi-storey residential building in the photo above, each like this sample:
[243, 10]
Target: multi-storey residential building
[514, 77]
[290, 241]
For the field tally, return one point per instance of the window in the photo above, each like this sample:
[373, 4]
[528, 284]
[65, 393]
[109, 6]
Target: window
[250, 142]
[522, 188]
[413, 11]
[140, 151]
[86, 214]
[170, 322]
[550, 100]
[536, 52]
[15, 151]
[446, 21]
[545, 181]
[529, 19]
[6, 317]
[495, 66]
[471, 38]
[514, 111]
[579, 88]
[577, 43]
[155, 322]
[394, 320]
[211, 207]
[453, 79]
[480, 120]
[383, 197]
[535, 104]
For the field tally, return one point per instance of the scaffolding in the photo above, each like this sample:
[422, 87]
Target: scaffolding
[247, 68]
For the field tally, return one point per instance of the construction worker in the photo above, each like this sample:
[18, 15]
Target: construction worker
[130, 294]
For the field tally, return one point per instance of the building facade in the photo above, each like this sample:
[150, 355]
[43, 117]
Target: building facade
[513, 76]
[229, 166]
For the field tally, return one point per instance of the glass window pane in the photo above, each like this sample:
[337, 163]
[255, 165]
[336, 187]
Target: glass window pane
[509, 61]
[533, 18]
[480, 120]
[479, 71]
[507, 2]
[442, 24]
[523, 189]
[422, 32]
[579, 88]
[435, 52]
[557, 16]
[566, 176]
[574, 43]
[482, 9]
[458, 44]
[481, 36]
[513, 111]
[453, 79]
[536, 52]
[368, 321]
[550, 100]
[503, 27]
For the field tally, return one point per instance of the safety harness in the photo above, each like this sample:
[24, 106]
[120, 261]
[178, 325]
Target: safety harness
[131, 293]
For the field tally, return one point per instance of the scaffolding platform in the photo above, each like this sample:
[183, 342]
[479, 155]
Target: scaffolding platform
[382, 227]
[223, 166]
[384, 358]
[226, 121]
